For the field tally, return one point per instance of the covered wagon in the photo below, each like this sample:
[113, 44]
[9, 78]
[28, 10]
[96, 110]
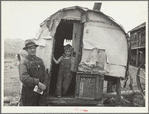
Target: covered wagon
[100, 51]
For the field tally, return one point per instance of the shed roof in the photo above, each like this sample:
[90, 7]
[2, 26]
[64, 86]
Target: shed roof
[138, 27]
[83, 11]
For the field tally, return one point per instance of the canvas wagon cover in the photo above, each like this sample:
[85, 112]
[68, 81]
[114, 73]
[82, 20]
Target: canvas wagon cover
[100, 31]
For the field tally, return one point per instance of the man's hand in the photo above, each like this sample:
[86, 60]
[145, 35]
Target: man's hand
[42, 86]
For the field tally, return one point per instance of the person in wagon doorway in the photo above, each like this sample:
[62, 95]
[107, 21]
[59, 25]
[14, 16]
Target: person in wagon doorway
[34, 78]
[64, 74]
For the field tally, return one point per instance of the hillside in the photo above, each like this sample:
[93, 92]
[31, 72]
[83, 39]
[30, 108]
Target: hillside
[12, 47]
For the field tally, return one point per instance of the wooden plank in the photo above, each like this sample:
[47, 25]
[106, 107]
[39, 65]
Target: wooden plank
[86, 98]
[142, 70]
[123, 93]
[139, 42]
[138, 48]
[96, 91]
[81, 88]
[118, 89]
[87, 76]
[109, 86]
[48, 88]
[77, 85]
[49, 71]
[76, 44]
[72, 102]
[141, 77]
[97, 88]
[143, 38]
[101, 84]
[89, 87]
[137, 57]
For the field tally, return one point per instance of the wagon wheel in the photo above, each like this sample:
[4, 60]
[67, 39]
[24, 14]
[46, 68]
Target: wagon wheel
[141, 78]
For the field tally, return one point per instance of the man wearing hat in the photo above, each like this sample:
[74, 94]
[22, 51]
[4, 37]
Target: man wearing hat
[34, 77]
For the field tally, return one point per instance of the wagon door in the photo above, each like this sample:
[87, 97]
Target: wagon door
[77, 45]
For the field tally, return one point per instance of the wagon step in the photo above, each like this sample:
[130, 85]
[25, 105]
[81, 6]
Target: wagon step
[69, 101]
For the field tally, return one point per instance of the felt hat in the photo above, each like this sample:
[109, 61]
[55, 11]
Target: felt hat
[29, 44]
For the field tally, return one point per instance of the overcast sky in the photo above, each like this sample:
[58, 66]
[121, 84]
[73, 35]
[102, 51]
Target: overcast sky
[21, 19]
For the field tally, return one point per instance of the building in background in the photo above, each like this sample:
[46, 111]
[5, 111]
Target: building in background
[137, 39]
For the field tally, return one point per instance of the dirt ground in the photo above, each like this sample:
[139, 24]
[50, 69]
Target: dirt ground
[12, 85]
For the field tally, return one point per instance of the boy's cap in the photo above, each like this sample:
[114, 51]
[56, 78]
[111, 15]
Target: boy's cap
[68, 47]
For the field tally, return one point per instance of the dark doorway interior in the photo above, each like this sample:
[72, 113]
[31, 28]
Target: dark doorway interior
[64, 32]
